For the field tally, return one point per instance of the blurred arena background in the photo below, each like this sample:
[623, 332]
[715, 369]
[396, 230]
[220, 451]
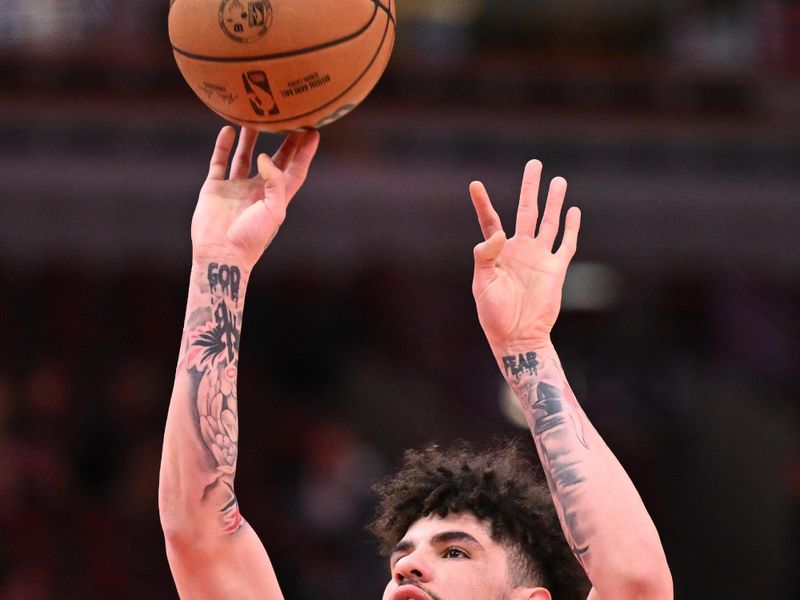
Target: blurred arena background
[676, 124]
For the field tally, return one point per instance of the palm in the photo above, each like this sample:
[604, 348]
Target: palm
[236, 193]
[518, 282]
[241, 214]
[523, 301]
[220, 205]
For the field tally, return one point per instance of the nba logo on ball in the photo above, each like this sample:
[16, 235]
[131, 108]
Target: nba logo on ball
[282, 65]
[257, 80]
[245, 21]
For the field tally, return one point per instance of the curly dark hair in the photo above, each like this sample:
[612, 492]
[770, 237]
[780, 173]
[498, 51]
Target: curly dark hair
[499, 486]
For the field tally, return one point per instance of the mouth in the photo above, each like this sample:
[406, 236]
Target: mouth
[410, 592]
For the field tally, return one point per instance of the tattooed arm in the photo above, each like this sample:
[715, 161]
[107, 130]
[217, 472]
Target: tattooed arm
[517, 287]
[212, 551]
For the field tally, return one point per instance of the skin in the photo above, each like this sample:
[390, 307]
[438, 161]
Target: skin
[212, 550]
[517, 285]
[214, 553]
[453, 558]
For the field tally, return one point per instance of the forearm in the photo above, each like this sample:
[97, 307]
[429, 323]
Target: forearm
[601, 513]
[198, 466]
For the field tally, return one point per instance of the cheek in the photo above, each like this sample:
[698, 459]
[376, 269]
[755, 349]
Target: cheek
[390, 587]
[482, 582]
[468, 581]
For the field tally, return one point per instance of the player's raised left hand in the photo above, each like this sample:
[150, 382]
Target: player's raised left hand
[237, 216]
[518, 281]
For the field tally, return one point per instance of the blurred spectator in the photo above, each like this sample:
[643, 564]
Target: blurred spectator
[692, 378]
[47, 26]
[438, 33]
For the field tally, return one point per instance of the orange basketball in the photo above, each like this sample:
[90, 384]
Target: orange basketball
[279, 65]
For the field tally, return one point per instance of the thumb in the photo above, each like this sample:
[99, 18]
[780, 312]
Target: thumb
[274, 183]
[256, 226]
[486, 254]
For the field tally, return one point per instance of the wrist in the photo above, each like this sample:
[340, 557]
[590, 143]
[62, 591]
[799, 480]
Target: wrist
[220, 277]
[202, 254]
[523, 359]
[509, 347]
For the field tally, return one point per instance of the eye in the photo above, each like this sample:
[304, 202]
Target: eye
[454, 552]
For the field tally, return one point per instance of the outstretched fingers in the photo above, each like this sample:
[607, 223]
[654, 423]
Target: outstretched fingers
[296, 169]
[284, 155]
[487, 216]
[528, 210]
[243, 157]
[222, 151]
[286, 171]
[548, 228]
[569, 243]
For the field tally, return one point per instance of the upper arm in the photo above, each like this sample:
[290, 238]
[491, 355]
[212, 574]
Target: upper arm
[223, 566]
[654, 590]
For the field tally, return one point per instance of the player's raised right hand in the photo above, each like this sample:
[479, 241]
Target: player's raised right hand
[237, 216]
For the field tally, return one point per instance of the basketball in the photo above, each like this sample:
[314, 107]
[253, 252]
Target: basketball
[282, 65]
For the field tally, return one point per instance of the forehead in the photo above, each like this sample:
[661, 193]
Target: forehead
[426, 527]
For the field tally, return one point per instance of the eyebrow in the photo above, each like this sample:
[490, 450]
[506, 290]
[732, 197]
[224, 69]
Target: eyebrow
[440, 538]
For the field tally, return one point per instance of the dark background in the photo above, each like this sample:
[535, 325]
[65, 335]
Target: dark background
[676, 124]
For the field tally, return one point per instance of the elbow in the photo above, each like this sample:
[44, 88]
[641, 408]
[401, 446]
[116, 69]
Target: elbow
[173, 525]
[640, 575]
[181, 529]
[173, 512]
[190, 520]
[649, 580]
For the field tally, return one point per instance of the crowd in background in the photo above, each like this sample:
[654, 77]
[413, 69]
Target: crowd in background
[336, 380]
[691, 374]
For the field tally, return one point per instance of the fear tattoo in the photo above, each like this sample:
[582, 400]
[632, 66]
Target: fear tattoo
[517, 365]
[213, 357]
[558, 434]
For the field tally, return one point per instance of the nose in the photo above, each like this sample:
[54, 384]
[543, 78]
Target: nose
[412, 566]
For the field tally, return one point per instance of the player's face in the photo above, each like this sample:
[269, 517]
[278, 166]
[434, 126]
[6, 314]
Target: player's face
[451, 558]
